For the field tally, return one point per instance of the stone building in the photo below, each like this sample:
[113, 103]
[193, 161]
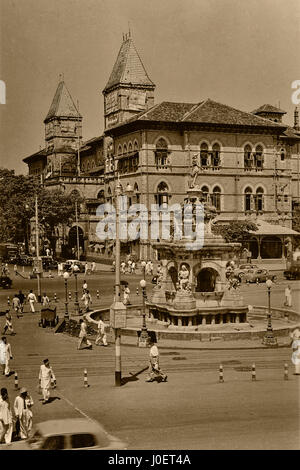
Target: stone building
[246, 164]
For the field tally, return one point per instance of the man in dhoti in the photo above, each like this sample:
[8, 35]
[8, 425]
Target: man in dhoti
[6, 418]
[22, 408]
[154, 370]
[32, 299]
[8, 356]
[45, 375]
[83, 335]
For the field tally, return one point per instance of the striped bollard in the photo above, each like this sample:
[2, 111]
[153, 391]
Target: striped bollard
[55, 298]
[98, 294]
[137, 291]
[221, 376]
[16, 381]
[70, 295]
[253, 373]
[8, 301]
[85, 379]
[286, 371]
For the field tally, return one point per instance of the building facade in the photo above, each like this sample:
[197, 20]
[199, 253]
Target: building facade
[246, 164]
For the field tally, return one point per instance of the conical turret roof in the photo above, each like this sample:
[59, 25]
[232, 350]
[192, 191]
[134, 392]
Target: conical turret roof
[128, 68]
[62, 104]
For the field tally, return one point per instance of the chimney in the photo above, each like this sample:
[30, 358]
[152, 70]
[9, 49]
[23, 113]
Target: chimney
[296, 119]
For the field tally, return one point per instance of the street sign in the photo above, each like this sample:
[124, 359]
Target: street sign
[118, 315]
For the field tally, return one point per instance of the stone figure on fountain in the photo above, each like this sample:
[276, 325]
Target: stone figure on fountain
[183, 278]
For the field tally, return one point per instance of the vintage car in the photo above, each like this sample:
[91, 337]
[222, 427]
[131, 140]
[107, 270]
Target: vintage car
[258, 275]
[67, 434]
[5, 282]
[71, 262]
[242, 269]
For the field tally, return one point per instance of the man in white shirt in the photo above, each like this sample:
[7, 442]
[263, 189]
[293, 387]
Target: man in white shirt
[32, 299]
[22, 408]
[101, 336]
[154, 370]
[8, 355]
[45, 375]
[83, 335]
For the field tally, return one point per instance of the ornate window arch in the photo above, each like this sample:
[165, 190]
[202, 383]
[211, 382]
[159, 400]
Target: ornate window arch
[216, 155]
[259, 156]
[205, 193]
[259, 199]
[162, 193]
[161, 153]
[248, 199]
[216, 197]
[204, 154]
[119, 149]
[124, 149]
[248, 157]
[130, 148]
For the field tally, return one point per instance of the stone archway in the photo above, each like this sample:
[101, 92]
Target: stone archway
[206, 280]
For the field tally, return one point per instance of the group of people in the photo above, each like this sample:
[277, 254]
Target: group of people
[20, 415]
[101, 337]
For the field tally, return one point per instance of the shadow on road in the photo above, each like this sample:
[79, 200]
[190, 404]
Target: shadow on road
[133, 377]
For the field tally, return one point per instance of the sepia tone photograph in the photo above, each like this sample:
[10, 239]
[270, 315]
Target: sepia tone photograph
[149, 227]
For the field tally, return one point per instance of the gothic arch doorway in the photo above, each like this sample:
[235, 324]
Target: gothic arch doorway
[206, 280]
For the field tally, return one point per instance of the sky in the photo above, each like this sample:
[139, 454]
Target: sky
[243, 53]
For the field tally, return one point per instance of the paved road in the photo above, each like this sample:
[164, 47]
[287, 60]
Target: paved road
[191, 411]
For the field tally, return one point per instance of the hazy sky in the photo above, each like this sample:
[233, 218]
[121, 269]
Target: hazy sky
[243, 53]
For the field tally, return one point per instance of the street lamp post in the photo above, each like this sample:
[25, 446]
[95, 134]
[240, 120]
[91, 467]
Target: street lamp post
[67, 318]
[118, 309]
[144, 337]
[269, 339]
[76, 303]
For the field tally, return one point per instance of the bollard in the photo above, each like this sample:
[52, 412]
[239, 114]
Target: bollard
[286, 371]
[221, 377]
[8, 300]
[85, 380]
[16, 381]
[70, 295]
[253, 373]
[55, 298]
[137, 291]
[98, 295]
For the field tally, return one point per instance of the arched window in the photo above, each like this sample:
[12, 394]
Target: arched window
[136, 147]
[119, 150]
[248, 157]
[259, 199]
[282, 154]
[216, 198]
[248, 199]
[100, 196]
[204, 154]
[161, 154]
[130, 148]
[162, 196]
[259, 156]
[215, 159]
[205, 193]
[137, 193]
[124, 149]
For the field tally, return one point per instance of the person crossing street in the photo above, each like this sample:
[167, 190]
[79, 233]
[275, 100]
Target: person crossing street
[8, 356]
[32, 299]
[22, 408]
[45, 375]
[83, 335]
[101, 336]
[154, 370]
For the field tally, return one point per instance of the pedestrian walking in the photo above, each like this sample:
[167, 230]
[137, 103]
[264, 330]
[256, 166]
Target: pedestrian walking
[16, 304]
[129, 266]
[101, 335]
[296, 350]
[288, 296]
[2, 355]
[126, 299]
[123, 267]
[84, 286]
[83, 335]
[8, 324]
[87, 300]
[22, 300]
[45, 375]
[154, 370]
[45, 300]
[8, 356]
[6, 418]
[32, 299]
[86, 269]
[22, 408]
[93, 267]
[16, 270]
[133, 267]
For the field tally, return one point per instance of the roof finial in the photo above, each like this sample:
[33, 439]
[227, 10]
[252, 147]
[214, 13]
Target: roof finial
[61, 77]
[129, 32]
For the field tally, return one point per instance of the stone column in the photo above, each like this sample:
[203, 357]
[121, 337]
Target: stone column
[179, 321]
[221, 319]
[237, 318]
[213, 319]
[190, 323]
[203, 320]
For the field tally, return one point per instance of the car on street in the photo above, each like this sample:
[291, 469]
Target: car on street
[242, 269]
[5, 282]
[258, 275]
[72, 262]
[68, 434]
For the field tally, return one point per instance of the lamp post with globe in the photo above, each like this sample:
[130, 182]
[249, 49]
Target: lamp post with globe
[76, 303]
[269, 339]
[66, 316]
[144, 337]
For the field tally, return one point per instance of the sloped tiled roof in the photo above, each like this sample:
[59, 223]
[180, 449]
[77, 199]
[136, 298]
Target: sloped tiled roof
[268, 108]
[62, 104]
[128, 68]
[207, 111]
[35, 156]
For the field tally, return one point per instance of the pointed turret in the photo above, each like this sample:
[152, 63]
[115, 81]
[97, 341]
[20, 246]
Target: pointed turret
[129, 89]
[62, 104]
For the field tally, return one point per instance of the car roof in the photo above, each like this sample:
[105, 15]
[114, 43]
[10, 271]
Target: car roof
[69, 426]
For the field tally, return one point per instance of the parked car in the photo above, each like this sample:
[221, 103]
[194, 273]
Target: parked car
[68, 264]
[242, 269]
[68, 434]
[258, 275]
[5, 282]
[49, 263]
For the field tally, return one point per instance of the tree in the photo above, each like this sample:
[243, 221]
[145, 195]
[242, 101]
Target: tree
[17, 207]
[236, 231]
